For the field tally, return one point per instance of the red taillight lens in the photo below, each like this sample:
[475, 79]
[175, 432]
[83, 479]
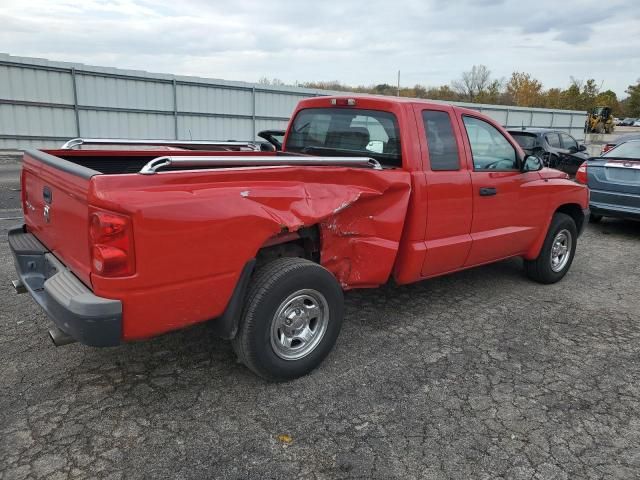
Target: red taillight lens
[344, 102]
[606, 147]
[111, 244]
[23, 192]
[581, 174]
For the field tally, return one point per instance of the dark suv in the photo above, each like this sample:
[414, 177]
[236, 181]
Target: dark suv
[556, 149]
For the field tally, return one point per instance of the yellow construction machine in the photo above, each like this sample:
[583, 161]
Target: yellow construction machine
[599, 120]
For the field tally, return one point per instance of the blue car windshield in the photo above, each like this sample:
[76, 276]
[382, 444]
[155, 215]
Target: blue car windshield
[629, 150]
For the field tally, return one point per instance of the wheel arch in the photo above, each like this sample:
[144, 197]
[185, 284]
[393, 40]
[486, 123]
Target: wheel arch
[573, 210]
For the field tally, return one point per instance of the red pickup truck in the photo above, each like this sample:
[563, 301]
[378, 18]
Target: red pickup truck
[122, 245]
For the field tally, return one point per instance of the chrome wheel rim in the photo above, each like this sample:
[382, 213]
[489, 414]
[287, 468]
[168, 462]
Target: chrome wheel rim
[560, 250]
[299, 324]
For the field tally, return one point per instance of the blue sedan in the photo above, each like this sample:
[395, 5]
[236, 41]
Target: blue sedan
[614, 182]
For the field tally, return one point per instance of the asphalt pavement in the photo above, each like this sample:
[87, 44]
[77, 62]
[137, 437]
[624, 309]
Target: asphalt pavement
[477, 375]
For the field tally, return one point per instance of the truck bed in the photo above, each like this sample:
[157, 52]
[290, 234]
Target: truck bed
[131, 161]
[194, 230]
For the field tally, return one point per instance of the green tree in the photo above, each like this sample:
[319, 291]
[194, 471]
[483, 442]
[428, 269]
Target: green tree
[589, 93]
[632, 103]
[552, 98]
[609, 99]
[493, 93]
[572, 97]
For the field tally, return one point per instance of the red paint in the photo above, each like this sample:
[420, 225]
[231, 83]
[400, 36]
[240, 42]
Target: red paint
[193, 231]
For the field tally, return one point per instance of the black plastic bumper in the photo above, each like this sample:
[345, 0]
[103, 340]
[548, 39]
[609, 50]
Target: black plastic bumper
[89, 319]
[616, 211]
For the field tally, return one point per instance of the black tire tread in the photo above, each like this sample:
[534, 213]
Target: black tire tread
[263, 280]
[536, 269]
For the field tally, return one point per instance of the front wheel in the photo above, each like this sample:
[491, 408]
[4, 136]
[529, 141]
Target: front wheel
[557, 252]
[291, 319]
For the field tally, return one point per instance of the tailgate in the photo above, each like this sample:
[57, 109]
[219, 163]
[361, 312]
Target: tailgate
[56, 209]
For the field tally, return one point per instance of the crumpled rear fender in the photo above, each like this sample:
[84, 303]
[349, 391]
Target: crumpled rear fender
[231, 213]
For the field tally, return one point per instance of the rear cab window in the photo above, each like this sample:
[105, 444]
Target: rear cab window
[346, 132]
[441, 141]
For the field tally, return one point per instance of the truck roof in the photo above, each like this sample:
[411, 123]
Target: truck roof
[382, 100]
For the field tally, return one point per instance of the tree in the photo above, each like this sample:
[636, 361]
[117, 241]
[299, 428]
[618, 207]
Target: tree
[609, 99]
[473, 82]
[493, 93]
[571, 97]
[590, 91]
[276, 82]
[524, 90]
[632, 103]
[552, 98]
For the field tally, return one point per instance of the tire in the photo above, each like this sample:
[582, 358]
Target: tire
[595, 218]
[269, 346]
[545, 269]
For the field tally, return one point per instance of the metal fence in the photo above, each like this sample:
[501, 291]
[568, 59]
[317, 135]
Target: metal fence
[44, 103]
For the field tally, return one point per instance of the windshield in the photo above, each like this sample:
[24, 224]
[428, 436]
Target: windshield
[351, 132]
[625, 150]
[526, 140]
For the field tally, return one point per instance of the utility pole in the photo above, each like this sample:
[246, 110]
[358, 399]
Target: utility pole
[398, 82]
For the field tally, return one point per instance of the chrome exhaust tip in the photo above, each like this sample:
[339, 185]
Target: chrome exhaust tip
[59, 338]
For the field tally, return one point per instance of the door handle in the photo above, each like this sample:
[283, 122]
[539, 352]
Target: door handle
[487, 191]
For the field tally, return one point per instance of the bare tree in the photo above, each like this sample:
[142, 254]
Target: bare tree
[473, 82]
[275, 81]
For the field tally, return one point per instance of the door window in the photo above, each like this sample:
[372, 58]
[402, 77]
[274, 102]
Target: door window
[554, 140]
[441, 141]
[569, 142]
[489, 148]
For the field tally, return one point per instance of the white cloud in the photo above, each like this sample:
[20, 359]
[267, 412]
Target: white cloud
[362, 42]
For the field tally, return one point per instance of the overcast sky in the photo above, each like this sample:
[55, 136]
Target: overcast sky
[355, 42]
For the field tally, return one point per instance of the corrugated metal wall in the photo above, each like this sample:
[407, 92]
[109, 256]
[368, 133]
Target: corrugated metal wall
[44, 103]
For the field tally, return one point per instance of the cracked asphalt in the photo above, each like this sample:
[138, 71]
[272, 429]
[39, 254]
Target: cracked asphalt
[477, 375]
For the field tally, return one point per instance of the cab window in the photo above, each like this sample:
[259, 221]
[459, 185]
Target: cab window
[489, 148]
[441, 141]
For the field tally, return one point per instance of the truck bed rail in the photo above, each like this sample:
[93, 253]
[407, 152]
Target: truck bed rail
[227, 161]
[77, 142]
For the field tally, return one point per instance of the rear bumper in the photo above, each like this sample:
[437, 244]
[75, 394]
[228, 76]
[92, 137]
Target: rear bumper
[618, 211]
[75, 310]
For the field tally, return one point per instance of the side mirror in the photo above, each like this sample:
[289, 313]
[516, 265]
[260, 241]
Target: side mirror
[582, 147]
[531, 164]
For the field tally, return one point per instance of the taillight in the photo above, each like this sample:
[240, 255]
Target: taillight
[23, 192]
[344, 102]
[581, 174]
[606, 147]
[111, 244]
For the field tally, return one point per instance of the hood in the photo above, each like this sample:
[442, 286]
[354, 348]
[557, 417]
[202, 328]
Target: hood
[549, 173]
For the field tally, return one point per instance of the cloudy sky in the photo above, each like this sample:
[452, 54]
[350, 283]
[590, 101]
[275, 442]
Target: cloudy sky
[355, 42]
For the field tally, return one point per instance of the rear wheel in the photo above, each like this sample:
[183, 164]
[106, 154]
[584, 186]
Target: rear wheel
[557, 252]
[291, 320]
